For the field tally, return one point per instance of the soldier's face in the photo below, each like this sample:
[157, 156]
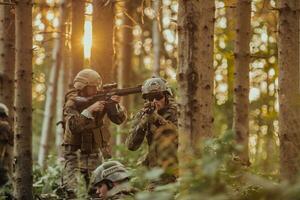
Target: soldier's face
[159, 99]
[102, 190]
[90, 90]
[160, 103]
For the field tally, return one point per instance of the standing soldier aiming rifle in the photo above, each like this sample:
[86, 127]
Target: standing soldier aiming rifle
[157, 121]
[85, 136]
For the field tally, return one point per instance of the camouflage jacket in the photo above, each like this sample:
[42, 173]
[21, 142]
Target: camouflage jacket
[88, 133]
[6, 138]
[160, 130]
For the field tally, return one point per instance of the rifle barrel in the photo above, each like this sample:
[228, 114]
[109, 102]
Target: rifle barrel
[127, 91]
[105, 95]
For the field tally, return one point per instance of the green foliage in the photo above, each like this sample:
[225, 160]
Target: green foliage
[48, 183]
[217, 175]
[82, 192]
[144, 180]
[45, 183]
[6, 191]
[210, 176]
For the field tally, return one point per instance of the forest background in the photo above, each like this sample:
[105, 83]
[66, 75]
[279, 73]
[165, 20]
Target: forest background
[130, 41]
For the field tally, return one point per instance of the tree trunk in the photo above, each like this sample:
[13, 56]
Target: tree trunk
[7, 64]
[23, 102]
[241, 75]
[195, 74]
[49, 115]
[123, 58]
[102, 48]
[230, 33]
[62, 88]
[61, 91]
[78, 10]
[156, 38]
[289, 124]
[62, 84]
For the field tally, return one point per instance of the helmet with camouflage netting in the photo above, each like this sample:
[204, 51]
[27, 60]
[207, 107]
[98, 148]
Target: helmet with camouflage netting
[154, 85]
[111, 170]
[4, 110]
[87, 77]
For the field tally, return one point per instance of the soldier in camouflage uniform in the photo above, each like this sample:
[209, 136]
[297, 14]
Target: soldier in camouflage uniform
[6, 144]
[111, 180]
[85, 136]
[157, 121]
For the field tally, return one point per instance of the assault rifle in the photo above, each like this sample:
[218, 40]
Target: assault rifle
[106, 93]
[149, 108]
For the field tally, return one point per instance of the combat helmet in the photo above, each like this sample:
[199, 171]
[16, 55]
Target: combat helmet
[155, 84]
[4, 110]
[111, 171]
[87, 77]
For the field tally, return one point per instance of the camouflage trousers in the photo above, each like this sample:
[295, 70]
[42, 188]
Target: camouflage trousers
[78, 168]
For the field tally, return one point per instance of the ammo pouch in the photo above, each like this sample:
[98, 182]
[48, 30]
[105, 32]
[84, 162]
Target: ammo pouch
[86, 142]
[102, 140]
[91, 139]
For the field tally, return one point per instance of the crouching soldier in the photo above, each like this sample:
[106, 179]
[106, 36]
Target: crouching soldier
[84, 130]
[111, 181]
[157, 122]
[6, 145]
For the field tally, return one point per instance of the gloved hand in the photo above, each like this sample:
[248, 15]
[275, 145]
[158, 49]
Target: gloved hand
[149, 108]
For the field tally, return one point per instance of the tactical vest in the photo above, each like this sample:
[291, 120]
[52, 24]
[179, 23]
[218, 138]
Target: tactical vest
[93, 136]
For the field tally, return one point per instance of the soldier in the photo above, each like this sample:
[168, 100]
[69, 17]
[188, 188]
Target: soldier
[111, 180]
[157, 121]
[84, 132]
[6, 144]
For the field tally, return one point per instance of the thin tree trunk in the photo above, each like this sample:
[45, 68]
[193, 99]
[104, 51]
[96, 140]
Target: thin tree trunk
[123, 58]
[195, 74]
[269, 149]
[62, 78]
[241, 82]
[102, 48]
[23, 102]
[49, 115]
[230, 33]
[231, 25]
[7, 64]
[156, 38]
[78, 10]
[289, 124]
[59, 107]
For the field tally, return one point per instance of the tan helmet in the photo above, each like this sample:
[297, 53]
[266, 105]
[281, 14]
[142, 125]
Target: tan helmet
[4, 110]
[87, 77]
[155, 84]
[110, 170]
